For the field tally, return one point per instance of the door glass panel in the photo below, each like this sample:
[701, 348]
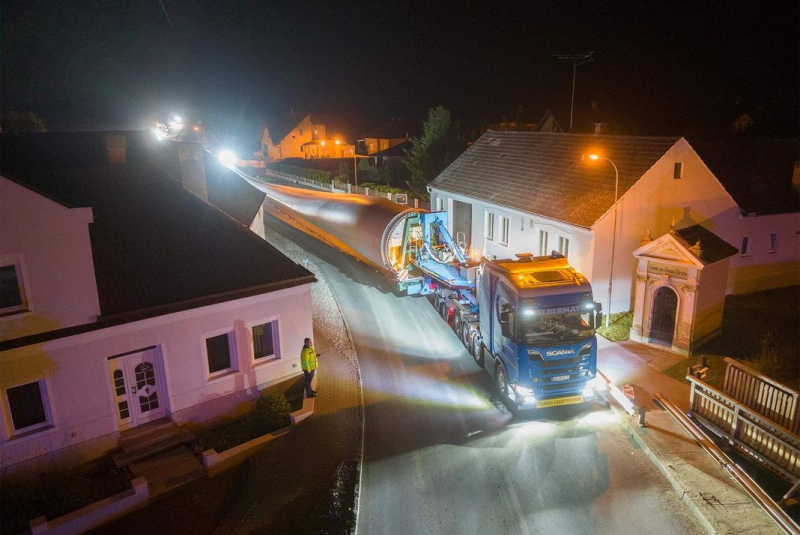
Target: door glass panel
[119, 383]
[123, 410]
[145, 375]
[145, 383]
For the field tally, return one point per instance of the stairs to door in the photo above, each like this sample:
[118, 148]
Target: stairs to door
[157, 451]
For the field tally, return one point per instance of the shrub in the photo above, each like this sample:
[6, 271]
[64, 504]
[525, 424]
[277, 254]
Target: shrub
[270, 412]
[776, 361]
[619, 326]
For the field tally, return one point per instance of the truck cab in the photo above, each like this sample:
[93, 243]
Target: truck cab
[537, 321]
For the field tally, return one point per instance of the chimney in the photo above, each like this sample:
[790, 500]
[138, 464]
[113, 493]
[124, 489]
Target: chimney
[117, 149]
[600, 128]
[796, 176]
[193, 170]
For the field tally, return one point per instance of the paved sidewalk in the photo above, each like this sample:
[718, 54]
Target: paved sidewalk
[292, 475]
[718, 501]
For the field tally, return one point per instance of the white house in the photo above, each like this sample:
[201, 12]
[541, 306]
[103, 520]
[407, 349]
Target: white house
[514, 192]
[125, 299]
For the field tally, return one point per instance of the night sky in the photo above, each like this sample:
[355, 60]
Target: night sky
[666, 67]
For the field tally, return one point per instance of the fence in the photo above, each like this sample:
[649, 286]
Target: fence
[341, 187]
[766, 441]
[765, 396]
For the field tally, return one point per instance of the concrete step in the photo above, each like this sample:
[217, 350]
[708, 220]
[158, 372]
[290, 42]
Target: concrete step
[140, 438]
[124, 458]
[169, 470]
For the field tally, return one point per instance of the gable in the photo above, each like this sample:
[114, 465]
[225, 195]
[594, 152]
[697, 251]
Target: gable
[694, 245]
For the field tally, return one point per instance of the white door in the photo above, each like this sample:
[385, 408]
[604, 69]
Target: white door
[136, 386]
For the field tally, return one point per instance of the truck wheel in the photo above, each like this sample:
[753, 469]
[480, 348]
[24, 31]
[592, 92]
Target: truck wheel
[457, 322]
[465, 335]
[477, 350]
[501, 381]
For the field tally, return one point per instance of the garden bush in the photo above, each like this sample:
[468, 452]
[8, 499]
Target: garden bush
[619, 327]
[269, 413]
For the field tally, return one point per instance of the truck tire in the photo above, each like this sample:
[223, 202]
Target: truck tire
[464, 335]
[457, 323]
[501, 381]
[477, 350]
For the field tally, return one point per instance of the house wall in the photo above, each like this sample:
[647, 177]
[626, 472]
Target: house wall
[60, 236]
[523, 234]
[377, 144]
[77, 381]
[291, 146]
[710, 302]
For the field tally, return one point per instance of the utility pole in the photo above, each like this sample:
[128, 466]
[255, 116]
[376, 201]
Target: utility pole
[576, 59]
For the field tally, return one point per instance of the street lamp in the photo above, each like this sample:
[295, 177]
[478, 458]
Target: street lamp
[355, 164]
[614, 236]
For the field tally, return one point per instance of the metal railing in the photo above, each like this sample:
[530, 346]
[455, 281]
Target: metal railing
[769, 398]
[755, 435]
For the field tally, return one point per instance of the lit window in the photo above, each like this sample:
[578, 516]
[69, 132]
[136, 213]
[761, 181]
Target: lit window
[218, 350]
[543, 243]
[12, 294]
[745, 244]
[677, 172]
[504, 230]
[488, 226]
[27, 405]
[563, 246]
[264, 341]
[773, 242]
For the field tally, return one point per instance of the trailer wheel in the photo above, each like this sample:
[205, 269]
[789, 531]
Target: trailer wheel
[477, 350]
[501, 381]
[465, 335]
[457, 322]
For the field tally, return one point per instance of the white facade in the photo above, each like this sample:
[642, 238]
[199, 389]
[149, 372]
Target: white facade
[653, 204]
[74, 391]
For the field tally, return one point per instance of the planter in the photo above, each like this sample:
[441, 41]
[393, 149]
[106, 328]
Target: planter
[95, 514]
[219, 462]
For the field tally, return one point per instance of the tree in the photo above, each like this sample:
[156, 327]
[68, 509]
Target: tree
[430, 153]
[12, 122]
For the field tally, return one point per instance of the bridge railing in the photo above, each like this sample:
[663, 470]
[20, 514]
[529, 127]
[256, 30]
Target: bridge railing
[757, 436]
[769, 398]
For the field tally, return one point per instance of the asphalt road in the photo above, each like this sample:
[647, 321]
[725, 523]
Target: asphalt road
[441, 456]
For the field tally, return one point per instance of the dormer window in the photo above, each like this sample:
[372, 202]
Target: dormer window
[677, 172]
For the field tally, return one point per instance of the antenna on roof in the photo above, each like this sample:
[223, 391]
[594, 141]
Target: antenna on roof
[576, 59]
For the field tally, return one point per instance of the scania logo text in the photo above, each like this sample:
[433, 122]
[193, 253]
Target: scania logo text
[557, 352]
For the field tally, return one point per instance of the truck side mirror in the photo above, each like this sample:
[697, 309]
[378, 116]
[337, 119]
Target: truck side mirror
[598, 319]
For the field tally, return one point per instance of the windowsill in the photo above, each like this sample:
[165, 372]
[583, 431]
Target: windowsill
[221, 374]
[14, 312]
[265, 360]
[503, 244]
[31, 432]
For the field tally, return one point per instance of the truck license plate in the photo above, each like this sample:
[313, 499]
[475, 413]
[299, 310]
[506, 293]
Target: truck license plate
[560, 378]
[569, 400]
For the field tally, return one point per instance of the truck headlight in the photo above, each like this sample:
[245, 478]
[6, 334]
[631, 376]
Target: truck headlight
[589, 388]
[525, 394]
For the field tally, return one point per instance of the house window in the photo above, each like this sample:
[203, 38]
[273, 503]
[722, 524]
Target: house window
[677, 171]
[773, 242]
[504, 230]
[488, 225]
[26, 403]
[218, 350]
[543, 243]
[745, 244]
[12, 296]
[563, 246]
[264, 341]
[439, 204]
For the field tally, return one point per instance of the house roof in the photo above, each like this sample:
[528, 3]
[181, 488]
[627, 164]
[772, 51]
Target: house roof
[542, 172]
[395, 129]
[156, 247]
[757, 174]
[704, 244]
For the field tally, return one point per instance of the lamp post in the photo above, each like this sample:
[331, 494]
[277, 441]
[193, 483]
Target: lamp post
[355, 164]
[613, 236]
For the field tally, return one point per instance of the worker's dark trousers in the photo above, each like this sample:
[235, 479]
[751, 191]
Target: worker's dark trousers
[309, 377]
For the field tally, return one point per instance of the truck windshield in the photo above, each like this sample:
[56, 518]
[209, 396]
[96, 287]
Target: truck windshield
[545, 326]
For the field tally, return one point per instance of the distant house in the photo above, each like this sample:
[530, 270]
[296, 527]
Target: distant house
[127, 299]
[303, 140]
[388, 135]
[547, 123]
[515, 192]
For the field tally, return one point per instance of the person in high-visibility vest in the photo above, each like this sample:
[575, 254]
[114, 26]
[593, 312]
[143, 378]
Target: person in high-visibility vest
[308, 361]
